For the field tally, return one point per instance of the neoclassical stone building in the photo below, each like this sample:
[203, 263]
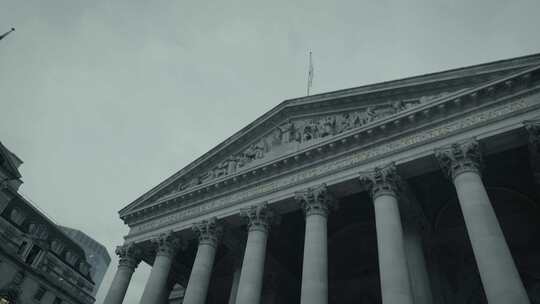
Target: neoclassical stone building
[39, 263]
[419, 190]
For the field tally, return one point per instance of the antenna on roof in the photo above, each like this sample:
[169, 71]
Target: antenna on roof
[310, 74]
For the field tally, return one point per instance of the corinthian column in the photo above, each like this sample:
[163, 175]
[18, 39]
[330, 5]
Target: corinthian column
[130, 257]
[315, 203]
[395, 281]
[208, 232]
[156, 287]
[498, 272]
[251, 276]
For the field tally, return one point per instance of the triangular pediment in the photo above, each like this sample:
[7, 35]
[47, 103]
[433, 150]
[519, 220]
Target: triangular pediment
[299, 123]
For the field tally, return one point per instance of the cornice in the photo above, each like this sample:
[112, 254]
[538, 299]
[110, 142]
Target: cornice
[370, 134]
[386, 90]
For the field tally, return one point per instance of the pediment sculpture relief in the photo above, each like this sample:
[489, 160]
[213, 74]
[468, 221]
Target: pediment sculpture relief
[300, 132]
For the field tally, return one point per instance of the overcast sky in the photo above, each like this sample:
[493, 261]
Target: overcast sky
[104, 99]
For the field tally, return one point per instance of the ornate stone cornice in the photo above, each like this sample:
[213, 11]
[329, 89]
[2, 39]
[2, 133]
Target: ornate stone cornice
[316, 200]
[167, 244]
[382, 181]
[129, 256]
[208, 231]
[460, 157]
[259, 217]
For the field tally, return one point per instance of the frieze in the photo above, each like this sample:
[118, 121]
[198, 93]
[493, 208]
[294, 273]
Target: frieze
[336, 165]
[300, 132]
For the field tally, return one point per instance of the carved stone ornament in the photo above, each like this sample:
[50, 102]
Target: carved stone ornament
[38, 231]
[316, 200]
[460, 157]
[208, 231]
[57, 246]
[167, 244]
[259, 217]
[299, 131]
[17, 216]
[382, 181]
[129, 255]
[71, 257]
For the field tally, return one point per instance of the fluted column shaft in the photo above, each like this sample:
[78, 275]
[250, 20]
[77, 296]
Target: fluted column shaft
[156, 286]
[395, 280]
[197, 288]
[234, 287]
[500, 278]
[316, 203]
[416, 263]
[129, 259]
[251, 276]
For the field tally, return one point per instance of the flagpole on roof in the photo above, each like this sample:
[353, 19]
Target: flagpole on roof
[7, 33]
[310, 74]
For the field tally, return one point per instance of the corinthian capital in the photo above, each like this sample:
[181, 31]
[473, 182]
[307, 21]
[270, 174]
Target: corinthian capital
[382, 180]
[460, 157]
[316, 200]
[167, 244]
[129, 255]
[208, 231]
[259, 217]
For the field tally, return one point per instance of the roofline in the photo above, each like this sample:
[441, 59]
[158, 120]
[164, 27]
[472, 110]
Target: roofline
[4, 150]
[50, 222]
[509, 63]
[407, 81]
[91, 238]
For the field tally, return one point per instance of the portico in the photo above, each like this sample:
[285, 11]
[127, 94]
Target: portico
[419, 190]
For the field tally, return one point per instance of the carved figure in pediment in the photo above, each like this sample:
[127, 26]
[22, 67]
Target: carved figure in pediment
[328, 126]
[286, 132]
[398, 106]
[259, 149]
[220, 169]
[307, 134]
[241, 161]
[194, 182]
[348, 121]
[371, 115]
[230, 164]
[249, 153]
[274, 139]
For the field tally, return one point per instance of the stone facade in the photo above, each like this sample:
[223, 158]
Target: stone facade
[39, 263]
[97, 255]
[421, 190]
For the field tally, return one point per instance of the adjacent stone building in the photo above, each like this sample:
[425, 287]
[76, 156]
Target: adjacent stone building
[97, 255]
[419, 190]
[39, 263]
